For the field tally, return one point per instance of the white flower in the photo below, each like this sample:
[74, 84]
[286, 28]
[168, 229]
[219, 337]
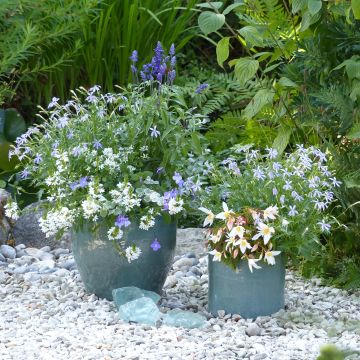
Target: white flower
[210, 216]
[237, 231]
[132, 253]
[225, 214]
[56, 220]
[269, 256]
[90, 208]
[252, 264]
[265, 231]
[115, 233]
[146, 222]
[12, 210]
[325, 227]
[244, 245]
[284, 223]
[271, 212]
[175, 206]
[214, 238]
[216, 255]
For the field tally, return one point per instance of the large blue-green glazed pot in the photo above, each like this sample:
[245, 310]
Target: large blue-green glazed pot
[249, 294]
[102, 269]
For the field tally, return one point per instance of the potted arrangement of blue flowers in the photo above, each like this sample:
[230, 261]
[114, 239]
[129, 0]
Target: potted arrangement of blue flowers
[263, 209]
[116, 169]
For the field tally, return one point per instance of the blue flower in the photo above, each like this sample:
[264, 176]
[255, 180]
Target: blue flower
[155, 245]
[201, 88]
[38, 159]
[97, 145]
[24, 174]
[83, 182]
[172, 50]
[134, 56]
[122, 221]
[178, 179]
[74, 185]
[154, 132]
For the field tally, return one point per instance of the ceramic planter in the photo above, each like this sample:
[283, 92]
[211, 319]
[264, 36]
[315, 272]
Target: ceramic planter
[102, 269]
[259, 293]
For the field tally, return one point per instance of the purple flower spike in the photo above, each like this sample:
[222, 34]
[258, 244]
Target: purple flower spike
[178, 179]
[172, 50]
[134, 56]
[171, 76]
[159, 170]
[201, 88]
[122, 221]
[155, 245]
[74, 185]
[38, 159]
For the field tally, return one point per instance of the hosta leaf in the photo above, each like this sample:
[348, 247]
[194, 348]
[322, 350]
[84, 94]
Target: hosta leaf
[355, 6]
[222, 50]
[209, 22]
[232, 7]
[282, 139]
[245, 69]
[211, 5]
[314, 6]
[298, 5]
[252, 36]
[262, 97]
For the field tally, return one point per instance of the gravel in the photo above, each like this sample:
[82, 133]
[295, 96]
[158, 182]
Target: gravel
[45, 313]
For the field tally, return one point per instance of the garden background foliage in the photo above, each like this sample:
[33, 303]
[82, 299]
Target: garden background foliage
[280, 72]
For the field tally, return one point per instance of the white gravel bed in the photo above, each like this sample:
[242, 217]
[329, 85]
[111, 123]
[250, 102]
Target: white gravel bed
[45, 313]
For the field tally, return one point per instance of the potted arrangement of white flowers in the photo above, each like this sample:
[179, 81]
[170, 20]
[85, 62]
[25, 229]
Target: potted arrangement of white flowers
[263, 209]
[113, 168]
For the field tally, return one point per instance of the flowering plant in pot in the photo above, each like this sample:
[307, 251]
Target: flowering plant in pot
[114, 166]
[263, 208]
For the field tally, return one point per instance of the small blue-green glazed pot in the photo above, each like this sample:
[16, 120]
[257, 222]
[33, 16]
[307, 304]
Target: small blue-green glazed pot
[102, 269]
[249, 294]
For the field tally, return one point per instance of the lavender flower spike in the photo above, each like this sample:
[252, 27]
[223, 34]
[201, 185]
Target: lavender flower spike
[134, 56]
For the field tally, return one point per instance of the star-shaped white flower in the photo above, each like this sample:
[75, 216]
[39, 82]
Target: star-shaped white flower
[210, 216]
[244, 245]
[265, 231]
[269, 257]
[271, 212]
[216, 255]
[231, 241]
[237, 231]
[225, 214]
[252, 264]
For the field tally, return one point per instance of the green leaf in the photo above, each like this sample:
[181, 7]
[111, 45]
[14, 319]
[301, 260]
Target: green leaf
[245, 69]
[232, 7]
[2, 184]
[355, 6]
[308, 19]
[262, 97]
[298, 5]
[196, 143]
[209, 22]
[211, 5]
[222, 50]
[314, 6]
[14, 125]
[252, 36]
[282, 139]
[286, 82]
[354, 132]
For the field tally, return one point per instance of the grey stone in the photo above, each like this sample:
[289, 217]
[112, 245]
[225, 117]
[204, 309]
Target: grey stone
[190, 240]
[195, 270]
[221, 313]
[67, 264]
[186, 319]
[183, 262]
[20, 253]
[20, 247]
[253, 330]
[60, 251]
[4, 197]
[260, 356]
[4, 230]
[8, 251]
[36, 253]
[27, 230]
[21, 270]
[2, 257]
[142, 310]
[190, 255]
[126, 294]
[179, 274]
[189, 273]
[171, 281]
[46, 248]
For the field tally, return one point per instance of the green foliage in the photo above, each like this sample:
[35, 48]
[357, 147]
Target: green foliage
[330, 352]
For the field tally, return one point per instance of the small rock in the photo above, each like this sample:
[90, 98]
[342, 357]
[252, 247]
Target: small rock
[2, 258]
[253, 330]
[8, 251]
[190, 255]
[46, 248]
[20, 247]
[170, 282]
[20, 253]
[21, 270]
[60, 251]
[36, 253]
[195, 270]
[260, 356]
[221, 313]
[67, 264]
[179, 274]
[236, 317]
[4, 230]
[126, 294]
[45, 264]
[47, 256]
[183, 262]
[217, 327]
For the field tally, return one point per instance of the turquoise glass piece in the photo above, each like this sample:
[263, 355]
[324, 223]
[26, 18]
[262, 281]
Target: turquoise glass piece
[142, 311]
[102, 269]
[250, 294]
[186, 319]
[129, 293]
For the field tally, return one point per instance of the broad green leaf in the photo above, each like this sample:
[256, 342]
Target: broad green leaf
[355, 6]
[209, 22]
[2, 184]
[211, 5]
[262, 97]
[286, 82]
[282, 139]
[5, 163]
[222, 50]
[14, 125]
[196, 143]
[252, 36]
[354, 132]
[308, 19]
[297, 5]
[232, 7]
[314, 6]
[245, 69]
